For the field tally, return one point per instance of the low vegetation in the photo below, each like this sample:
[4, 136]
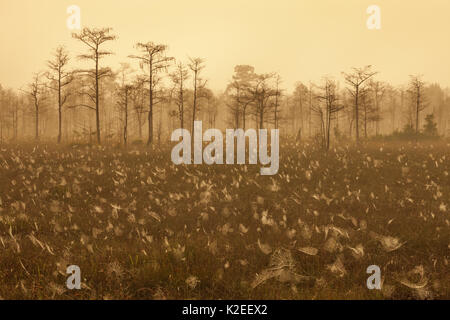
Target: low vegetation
[140, 227]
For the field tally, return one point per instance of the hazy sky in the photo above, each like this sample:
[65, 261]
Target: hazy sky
[301, 39]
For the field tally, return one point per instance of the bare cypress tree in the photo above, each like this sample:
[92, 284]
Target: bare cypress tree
[178, 78]
[416, 91]
[138, 95]
[36, 90]
[124, 93]
[233, 103]
[355, 80]
[276, 105]
[196, 65]
[368, 110]
[153, 56]
[299, 99]
[94, 39]
[378, 89]
[60, 78]
[326, 109]
[262, 92]
[392, 94]
[238, 92]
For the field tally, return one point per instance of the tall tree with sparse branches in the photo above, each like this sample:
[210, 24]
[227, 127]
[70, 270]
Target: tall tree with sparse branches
[196, 65]
[154, 57]
[263, 92]
[378, 89]
[94, 39]
[276, 105]
[416, 91]
[60, 78]
[138, 98]
[36, 90]
[327, 108]
[124, 91]
[355, 80]
[238, 93]
[179, 76]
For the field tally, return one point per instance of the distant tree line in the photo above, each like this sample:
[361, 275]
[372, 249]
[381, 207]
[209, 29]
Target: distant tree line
[100, 104]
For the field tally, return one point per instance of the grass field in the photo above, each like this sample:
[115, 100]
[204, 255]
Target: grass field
[140, 227]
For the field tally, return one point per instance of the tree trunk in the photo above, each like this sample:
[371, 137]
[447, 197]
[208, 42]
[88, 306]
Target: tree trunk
[36, 125]
[1, 126]
[59, 108]
[261, 120]
[139, 119]
[244, 111]
[125, 129]
[357, 114]
[181, 104]
[310, 111]
[150, 113]
[328, 126]
[194, 107]
[97, 111]
[417, 111]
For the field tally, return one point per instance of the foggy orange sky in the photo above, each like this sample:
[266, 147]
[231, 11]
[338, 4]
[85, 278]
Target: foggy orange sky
[302, 40]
